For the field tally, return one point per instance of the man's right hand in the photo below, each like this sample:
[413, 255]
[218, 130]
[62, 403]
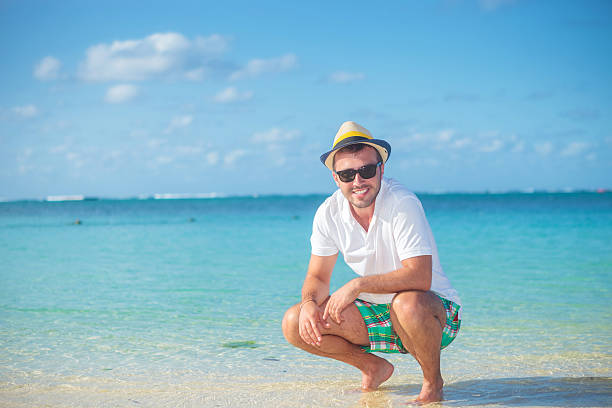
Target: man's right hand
[311, 322]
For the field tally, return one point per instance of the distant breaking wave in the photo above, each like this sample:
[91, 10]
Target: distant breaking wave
[171, 196]
[157, 196]
[76, 197]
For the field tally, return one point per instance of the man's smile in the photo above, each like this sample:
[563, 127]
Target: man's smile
[361, 191]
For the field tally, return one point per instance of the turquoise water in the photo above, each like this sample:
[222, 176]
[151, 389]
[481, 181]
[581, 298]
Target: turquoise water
[178, 303]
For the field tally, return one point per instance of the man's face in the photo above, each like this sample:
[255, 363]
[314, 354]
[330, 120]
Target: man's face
[360, 192]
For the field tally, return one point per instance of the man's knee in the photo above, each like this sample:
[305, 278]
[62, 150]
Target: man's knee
[416, 305]
[291, 322]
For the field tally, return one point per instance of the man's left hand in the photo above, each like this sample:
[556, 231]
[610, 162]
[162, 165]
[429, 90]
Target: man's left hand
[340, 299]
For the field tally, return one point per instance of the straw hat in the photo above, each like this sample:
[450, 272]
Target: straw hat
[352, 133]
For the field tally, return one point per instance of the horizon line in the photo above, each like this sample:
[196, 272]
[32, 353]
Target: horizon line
[215, 195]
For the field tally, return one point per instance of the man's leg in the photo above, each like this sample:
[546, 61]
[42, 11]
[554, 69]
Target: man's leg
[342, 342]
[418, 318]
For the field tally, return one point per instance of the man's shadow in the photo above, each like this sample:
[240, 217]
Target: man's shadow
[518, 392]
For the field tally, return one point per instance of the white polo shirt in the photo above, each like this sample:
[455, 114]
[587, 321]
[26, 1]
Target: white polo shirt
[398, 230]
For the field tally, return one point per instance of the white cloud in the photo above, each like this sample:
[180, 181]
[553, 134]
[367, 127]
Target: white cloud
[213, 44]
[275, 148]
[197, 74]
[55, 126]
[24, 162]
[58, 149]
[139, 133]
[258, 67]
[543, 148]
[574, 148]
[114, 154]
[121, 93]
[179, 122]
[27, 111]
[231, 94]
[76, 159]
[155, 143]
[518, 147]
[47, 69]
[343, 77]
[212, 158]
[25, 154]
[160, 54]
[232, 156]
[461, 143]
[438, 140]
[189, 150]
[275, 142]
[491, 147]
[418, 137]
[279, 160]
[446, 135]
[161, 160]
[419, 162]
[274, 135]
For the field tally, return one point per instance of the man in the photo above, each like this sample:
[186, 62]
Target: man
[401, 302]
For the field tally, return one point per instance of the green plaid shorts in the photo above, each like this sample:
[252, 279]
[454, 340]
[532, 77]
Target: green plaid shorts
[377, 318]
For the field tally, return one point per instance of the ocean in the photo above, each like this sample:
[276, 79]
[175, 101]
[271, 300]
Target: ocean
[178, 303]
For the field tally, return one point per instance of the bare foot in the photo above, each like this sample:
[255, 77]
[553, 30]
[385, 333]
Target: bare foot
[380, 372]
[431, 392]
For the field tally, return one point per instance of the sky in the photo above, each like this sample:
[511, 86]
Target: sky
[123, 99]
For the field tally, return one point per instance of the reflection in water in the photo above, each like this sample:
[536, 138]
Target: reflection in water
[533, 391]
[524, 392]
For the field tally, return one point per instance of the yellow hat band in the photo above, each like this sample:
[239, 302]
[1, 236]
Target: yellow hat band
[351, 134]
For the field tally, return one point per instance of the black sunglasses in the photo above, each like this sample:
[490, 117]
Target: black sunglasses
[365, 172]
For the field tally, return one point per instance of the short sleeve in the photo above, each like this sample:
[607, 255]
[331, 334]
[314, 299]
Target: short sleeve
[321, 242]
[410, 229]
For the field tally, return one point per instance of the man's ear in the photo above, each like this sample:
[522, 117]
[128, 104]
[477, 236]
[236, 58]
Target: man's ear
[382, 169]
[336, 179]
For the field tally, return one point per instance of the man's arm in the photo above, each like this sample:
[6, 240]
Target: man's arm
[415, 274]
[314, 292]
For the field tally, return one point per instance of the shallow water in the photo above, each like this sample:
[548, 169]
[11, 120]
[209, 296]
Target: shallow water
[178, 303]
